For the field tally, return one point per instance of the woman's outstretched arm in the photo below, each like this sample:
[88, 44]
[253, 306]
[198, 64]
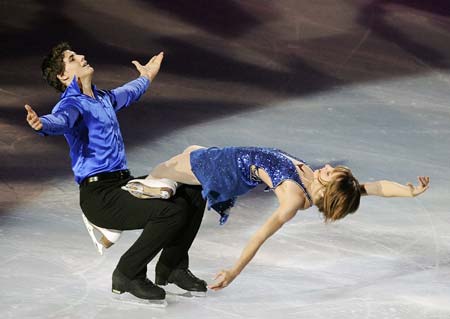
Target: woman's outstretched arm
[392, 189]
[286, 210]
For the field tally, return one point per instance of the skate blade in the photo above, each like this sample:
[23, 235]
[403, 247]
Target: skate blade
[174, 290]
[90, 230]
[130, 299]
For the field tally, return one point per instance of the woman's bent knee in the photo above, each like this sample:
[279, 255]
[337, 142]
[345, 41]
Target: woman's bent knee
[192, 148]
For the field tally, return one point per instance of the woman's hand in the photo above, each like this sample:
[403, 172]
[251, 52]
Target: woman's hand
[223, 279]
[424, 184]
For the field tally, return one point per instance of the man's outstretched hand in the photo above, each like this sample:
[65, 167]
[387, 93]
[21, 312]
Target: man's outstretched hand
[32, 118]
[151, 69]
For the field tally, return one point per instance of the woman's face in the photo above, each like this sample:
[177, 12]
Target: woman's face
[323, 174]
[322, 177]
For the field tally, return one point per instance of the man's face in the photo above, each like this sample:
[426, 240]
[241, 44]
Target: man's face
[75, 65]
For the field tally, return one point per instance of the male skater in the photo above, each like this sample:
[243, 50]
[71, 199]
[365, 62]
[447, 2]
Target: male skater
[86, 116]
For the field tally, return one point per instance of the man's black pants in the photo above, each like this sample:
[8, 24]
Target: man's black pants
[170, 225]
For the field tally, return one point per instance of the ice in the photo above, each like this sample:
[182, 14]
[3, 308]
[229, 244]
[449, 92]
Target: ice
[365, 84]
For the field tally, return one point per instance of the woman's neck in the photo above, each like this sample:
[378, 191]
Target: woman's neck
[306, 175]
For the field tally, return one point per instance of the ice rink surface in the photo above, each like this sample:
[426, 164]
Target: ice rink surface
[360, 83]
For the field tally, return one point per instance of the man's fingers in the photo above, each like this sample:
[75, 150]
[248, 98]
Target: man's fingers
[32, 116]
[29, 109]
[159, 57]
[156, 59]
[37, 126]
[136, 64]
[33, 120]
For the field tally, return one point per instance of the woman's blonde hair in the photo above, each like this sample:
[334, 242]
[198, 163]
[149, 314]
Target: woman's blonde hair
[341, 196]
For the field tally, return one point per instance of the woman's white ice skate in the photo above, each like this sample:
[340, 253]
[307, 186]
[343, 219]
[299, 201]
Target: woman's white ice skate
[108, 236]
[151, 187]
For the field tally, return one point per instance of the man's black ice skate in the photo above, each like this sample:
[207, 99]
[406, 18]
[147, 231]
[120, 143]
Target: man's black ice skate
[184, 279]
[141, 288]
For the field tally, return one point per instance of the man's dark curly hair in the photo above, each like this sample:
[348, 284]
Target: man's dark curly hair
[53, 65]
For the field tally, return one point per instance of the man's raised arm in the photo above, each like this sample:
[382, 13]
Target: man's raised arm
[125, 95]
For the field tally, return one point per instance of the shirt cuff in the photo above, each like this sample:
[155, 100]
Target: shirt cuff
[146, 80]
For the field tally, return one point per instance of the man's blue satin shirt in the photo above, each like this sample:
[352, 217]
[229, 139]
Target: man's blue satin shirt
[91, 128]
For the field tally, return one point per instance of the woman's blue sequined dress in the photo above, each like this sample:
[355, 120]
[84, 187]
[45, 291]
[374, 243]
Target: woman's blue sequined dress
[225, 173]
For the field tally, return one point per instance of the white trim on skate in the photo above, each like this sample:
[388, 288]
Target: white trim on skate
[111, 235]
[151, 188]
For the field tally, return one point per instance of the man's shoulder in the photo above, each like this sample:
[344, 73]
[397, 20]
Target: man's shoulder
[102, 93]
[68, 102]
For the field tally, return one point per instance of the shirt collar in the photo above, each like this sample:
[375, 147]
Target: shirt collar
[73, 89]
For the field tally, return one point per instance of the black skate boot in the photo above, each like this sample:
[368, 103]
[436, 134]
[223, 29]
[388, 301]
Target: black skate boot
[141, 288]
[184, 279]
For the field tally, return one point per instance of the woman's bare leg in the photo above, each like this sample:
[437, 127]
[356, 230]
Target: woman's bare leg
[178, 168]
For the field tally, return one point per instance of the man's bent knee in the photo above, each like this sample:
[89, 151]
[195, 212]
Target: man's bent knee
[176, 216]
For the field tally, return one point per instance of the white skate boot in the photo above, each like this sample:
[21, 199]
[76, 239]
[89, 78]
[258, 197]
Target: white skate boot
[151, 187]
[108, 236]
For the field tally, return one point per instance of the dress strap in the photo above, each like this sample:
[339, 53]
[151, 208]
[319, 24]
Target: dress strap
[297, 179]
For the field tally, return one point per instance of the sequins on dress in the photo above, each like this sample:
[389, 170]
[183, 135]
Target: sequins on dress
[225, 173]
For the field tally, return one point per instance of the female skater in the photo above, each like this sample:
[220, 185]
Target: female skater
[226, 173]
